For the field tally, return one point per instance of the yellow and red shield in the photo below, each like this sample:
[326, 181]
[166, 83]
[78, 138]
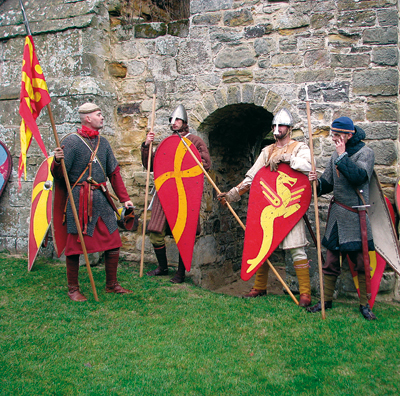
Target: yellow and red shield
[179, 184]
[377, 265]
[40, 209]
[277, 202]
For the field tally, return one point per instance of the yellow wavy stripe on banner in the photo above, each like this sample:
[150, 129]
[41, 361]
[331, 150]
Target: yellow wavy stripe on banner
[178, 174]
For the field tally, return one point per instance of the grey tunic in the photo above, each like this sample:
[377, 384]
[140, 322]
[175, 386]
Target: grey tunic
[343, 227]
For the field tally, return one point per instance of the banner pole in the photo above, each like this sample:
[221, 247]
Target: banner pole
[146, 197]
[310, 138]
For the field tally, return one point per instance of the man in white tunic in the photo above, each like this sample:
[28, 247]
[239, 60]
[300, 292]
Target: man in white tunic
[297, 155]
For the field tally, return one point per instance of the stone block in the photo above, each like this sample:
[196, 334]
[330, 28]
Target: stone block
[194, 57]
[128, 108]
[248, 93]
[358, 19]
[321, 19]
[388, 17]
[376, 82]
[257, 31]
[343, 39]
[237, 76]
[293, 20]
[211, 18]
[382, 111]
[150, 30]
[344, 5]
[311, 43]
[261, 46]
[317, 58]
[350, 60]
[233, 94]
[117, 69]
[381, 36]
[235, 57]
[135, 68]
[209, 103]
[288, 44]
[167, 46]
[225, 35]
[335, 92]
[235, 18]
[314, 75]
[385, 152]
[208, 82]
[221, 98]
[179, 28]
[273, 75]
[198, 6]
[385, 56]
[162, 68]
[287, 59]
[259, 95]
[380, 130]
[271, 101]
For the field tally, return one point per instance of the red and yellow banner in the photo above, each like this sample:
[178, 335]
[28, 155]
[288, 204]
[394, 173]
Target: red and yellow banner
[179, 184]
[34, 96]
[277, 202]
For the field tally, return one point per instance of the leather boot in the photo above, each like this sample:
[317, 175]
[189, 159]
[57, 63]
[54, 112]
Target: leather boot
[74, 294]
[72, 278]
[180, 274]
[111, 258]
[162, 269]
[303, 276]
[367, 313]
[318, 307]
[255, 293]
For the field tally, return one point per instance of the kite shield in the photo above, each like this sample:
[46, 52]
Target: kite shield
[277, 202]
[40, 209]
[179, 184]
[5, 166]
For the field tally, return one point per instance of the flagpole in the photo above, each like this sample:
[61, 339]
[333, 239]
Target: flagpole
[236, 217]
[310, 139]
[71, 198]
[146, 197]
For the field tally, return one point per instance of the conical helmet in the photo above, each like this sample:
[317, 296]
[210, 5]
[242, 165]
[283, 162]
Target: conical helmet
[180, 113]
[282, 117]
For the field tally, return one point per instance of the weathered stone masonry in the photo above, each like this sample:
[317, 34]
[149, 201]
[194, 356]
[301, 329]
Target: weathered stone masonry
[233, 64]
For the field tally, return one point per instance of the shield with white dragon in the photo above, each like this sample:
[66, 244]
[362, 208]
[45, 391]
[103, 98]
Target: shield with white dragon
[179, 184]
[277, 202]
[40, 209]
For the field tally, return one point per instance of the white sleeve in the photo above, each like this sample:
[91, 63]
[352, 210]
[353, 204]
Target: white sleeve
[301, 161]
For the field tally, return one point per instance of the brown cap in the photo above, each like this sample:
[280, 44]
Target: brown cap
[87, 108]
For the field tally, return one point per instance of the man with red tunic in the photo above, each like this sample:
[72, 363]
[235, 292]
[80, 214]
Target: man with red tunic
[89, 161]
[158, 225]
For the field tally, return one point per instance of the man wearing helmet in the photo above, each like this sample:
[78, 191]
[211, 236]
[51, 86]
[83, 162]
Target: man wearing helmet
[297, 155]
[158, 225]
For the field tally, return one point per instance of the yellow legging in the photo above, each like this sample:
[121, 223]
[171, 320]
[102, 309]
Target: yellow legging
[301, 267]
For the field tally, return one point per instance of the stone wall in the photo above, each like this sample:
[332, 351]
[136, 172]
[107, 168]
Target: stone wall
[233, 64]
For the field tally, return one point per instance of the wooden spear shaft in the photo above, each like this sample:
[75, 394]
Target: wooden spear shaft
[146, 197]
[237, 218]
[72, 202]
[310, 135]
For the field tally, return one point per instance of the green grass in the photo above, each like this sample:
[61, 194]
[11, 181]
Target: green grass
[167, 339]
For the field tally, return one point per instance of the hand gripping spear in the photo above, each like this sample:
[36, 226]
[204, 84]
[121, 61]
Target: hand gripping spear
[310, 138]
[146, 197]
[235, 215]
[71, 198]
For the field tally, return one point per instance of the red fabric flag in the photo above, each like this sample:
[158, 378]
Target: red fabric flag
[34, 96]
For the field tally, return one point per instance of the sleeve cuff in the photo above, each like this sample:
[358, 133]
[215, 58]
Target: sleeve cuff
[341, 156]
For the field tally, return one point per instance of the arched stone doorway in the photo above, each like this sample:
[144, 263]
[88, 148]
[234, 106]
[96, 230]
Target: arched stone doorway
[236, 133]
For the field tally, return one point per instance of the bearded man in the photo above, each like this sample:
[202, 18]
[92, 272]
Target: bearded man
[158, 225]
[89, 161]
[297, 155]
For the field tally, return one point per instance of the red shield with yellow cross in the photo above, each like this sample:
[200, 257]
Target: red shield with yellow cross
[278, 200]
[179, 184]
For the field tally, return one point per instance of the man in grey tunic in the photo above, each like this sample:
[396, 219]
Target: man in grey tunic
[348, 175]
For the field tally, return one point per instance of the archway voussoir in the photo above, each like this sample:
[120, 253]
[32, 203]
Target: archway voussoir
[248, 93]
[221, 98]
[233, 95]
[194, 121]
[210, 103]
[259, 95]
[200, 112]
[271, 101]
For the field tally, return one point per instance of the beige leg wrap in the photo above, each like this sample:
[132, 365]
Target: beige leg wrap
[261, 277]
[329, 287]
[363, 289]
[303, 276]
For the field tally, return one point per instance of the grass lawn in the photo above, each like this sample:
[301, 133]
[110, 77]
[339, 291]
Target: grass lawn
[167, 339]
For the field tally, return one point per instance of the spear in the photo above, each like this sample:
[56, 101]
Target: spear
[146, 197]
[235, 215]
[65, 174]
[310, 138]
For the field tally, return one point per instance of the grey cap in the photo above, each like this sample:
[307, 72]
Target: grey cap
[180, 113]
[88, 108]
